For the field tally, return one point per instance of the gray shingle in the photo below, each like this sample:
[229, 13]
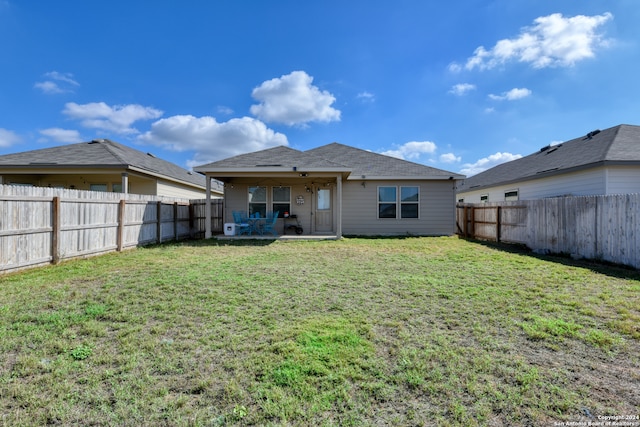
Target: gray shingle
[280, 156]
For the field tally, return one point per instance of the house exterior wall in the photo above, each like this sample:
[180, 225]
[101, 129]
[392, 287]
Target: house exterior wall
[237, 199]
[83, 181]
[79, 181]
[172, 189]
[436, 209]
[623, 179]
[580, 183]
[360, 207]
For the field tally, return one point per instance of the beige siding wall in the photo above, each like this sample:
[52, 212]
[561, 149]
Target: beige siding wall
[360, 207]
[436, 211]
[581, 183]
[172, 189]
[236, 199]
[83, 181]
[623, 180]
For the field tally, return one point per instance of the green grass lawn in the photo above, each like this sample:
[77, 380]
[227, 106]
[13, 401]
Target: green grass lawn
[415, 331]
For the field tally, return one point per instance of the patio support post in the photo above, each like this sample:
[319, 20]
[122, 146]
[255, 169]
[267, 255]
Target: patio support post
[207, 210]
[125, 182]
[339, 206]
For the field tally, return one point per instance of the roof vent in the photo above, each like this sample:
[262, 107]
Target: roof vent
[543, 149]
[150, 155]
[592, 134]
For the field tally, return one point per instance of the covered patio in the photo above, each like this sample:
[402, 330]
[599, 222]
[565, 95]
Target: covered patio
[305, 190]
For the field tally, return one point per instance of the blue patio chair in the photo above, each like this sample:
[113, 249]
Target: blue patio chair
[270, 224]
[240, 219]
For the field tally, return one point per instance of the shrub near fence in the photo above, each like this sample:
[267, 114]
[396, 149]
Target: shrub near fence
[46, 225]
[595, 227]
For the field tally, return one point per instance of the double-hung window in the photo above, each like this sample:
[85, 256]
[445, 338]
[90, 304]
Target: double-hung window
[278, 199]
[398, 202]
[258, 201]
[409, 202]
[281, 200]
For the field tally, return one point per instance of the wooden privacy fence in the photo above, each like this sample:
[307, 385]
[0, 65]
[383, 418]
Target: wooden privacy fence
[595, 227]
[47, 225]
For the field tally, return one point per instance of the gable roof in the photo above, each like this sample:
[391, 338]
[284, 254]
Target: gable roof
[334, 157]
[101, 154]
[616, 145]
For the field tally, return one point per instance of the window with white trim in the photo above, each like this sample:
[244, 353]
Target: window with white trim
[258, 201]
[409, 202]
[511, 195]
[281, 200]
[402, 202]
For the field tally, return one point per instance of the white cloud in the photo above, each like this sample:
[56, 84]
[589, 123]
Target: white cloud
[412, 150]
[118, 119]
[210, 139]
[462, 88]
[552, 41]
[57, 83]
[224, 110]
[450, 158]
[454, 67]
[366, 96]
[8, 138]
[512, 95]
[485, 163]
[293, 100]
[66, 136]
[48, 87]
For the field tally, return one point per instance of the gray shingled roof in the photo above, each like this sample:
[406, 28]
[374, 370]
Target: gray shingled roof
[280, 156]
[330, 157]
[101, 153]
[617, 145]
[368, 163]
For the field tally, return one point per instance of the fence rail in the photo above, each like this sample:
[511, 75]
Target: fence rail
[46, 225]
[595, 227]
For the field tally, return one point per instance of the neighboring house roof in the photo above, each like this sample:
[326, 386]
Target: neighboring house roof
[334, 157]
[614, 146]
[101, 154]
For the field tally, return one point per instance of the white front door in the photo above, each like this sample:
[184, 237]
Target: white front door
[324, 211]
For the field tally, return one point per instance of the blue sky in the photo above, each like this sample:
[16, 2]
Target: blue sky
[460, 85]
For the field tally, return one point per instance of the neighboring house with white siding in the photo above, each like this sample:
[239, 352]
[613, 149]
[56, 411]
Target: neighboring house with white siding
[599, 163]
[103, 165]
[336, 190]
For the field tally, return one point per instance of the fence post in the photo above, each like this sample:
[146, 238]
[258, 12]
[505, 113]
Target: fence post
[498, 223]
[473, 222]
[55, 230]
[120, 237]
[175, 221]
[465, 222]
[159, 224]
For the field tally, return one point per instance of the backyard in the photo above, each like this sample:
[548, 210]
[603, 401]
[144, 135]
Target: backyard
[402, 331]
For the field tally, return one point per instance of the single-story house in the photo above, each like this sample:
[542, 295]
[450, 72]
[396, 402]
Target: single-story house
[598, 163]
[336, 189]
[103, 165]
